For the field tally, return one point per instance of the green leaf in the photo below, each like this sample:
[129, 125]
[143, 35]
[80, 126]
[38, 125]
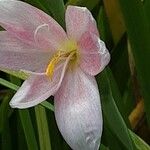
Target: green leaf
[104, 28]
[18, 74]
[117, 96]
[111, 112]
[28, 129]
[39, 4]
[57, 141]
[114, 16]
[43, 130]
[119, 58]
[20, 137]
[139, 143]
[8, 84]
[86, 3]
[47, 105]
[109, 139]
[146, 4]
[57, 9]
[103, 147]
[129, 98]
[4, 110]
[138, 28]
[6, 139]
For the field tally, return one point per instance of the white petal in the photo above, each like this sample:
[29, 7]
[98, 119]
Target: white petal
[16, 55]
[22, 20]
[38, 87]
[78, 111]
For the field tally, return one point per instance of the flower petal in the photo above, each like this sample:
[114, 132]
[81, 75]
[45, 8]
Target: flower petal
[94, 55]
[48, 39]
[78, 21]
[16, 55]
[78, 111]
[22, 20]
[38, 88]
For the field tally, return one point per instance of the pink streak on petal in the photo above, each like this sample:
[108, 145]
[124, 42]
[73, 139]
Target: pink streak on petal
[94, 55]
[78, 21]
[16, 55]
[38, 88]
[22, 19]
[78, 111]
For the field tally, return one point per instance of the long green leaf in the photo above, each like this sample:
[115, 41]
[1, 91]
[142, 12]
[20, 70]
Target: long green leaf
[104, 28]
[6, 139]
[39, 4]
[109, 139]
[117, 96]
[57, 9]
[139, 143]
[4, 112]
[26, 122]
[47, 105]
[110, 111]
[8, 84]
[18, 74]
[43, 130]
[146, 9]
[114, 16]
[28, 129]
[138, 29]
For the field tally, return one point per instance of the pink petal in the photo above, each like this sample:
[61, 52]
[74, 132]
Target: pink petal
[48, 38]
[78, 21]
[22, 20]
[94, 55]
[19, 56]
[78, 111]
[38, 88]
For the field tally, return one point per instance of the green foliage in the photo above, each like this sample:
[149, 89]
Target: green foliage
[122, 84]
[138, 29]
[139, 143]
[28, 129]
[112, 117]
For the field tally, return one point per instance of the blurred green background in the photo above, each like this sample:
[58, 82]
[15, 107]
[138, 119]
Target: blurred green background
[124, 85]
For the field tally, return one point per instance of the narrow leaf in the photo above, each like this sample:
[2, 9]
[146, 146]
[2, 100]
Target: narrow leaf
[138, 29]
[110, 111]
[4, 107]
[8, 84]
[18, 74]
[139, 143]
[48, 105]
[28, 129]
[43, 130]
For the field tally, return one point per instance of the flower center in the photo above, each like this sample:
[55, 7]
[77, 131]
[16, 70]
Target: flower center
[67, 50]
[60, 55]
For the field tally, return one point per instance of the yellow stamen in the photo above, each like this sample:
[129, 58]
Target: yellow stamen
[56, 59]
[67, 49]
[53, 62]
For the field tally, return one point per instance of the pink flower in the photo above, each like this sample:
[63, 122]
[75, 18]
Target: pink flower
[62, 64]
